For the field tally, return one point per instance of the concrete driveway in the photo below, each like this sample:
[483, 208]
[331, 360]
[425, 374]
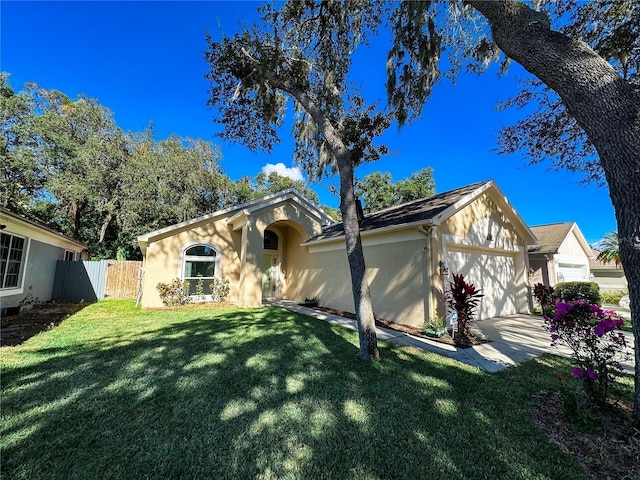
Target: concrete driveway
[517, 338]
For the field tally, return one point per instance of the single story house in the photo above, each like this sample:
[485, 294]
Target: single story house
[609, 276]
[29, 252]
[561, 255]
[283, 247]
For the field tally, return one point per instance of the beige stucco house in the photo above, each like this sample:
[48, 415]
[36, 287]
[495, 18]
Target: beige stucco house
[283, 247]
[561, 255]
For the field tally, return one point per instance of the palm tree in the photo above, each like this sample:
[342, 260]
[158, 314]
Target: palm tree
[609, 249]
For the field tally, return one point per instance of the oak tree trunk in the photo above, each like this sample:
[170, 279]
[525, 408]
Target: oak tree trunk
[604, 105]
[355, 256]
[360, 287]
[105, 225]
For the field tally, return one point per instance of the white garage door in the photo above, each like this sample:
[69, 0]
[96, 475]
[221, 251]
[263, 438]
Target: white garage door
[494, 274]
[569, 273]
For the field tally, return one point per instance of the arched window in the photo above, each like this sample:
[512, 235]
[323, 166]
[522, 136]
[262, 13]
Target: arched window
[270, 240]
[201, 265]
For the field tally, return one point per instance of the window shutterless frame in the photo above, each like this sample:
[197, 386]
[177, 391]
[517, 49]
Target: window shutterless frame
[199, 268]
[12, 250]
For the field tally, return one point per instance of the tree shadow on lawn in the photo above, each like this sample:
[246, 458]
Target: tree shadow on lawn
[268, 393]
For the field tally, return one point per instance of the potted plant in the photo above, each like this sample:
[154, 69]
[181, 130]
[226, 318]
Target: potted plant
[435, 327]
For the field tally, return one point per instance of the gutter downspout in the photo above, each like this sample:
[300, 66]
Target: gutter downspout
[426, 230]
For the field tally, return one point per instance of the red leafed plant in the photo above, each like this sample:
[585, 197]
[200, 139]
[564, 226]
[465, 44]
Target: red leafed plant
[464, 298]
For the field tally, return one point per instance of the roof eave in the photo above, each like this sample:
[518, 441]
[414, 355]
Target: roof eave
[246, 206]
[429, 222]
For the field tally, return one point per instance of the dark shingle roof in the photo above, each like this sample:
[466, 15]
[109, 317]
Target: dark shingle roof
[550, 237]
[407, 213]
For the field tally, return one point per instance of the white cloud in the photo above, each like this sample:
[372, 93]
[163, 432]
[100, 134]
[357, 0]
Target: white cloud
[293, 173]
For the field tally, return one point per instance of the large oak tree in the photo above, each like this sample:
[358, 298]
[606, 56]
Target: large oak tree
[602, 102]
[302, 54]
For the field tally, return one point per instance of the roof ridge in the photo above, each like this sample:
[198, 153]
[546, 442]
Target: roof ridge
[552, 224]
[414, 212]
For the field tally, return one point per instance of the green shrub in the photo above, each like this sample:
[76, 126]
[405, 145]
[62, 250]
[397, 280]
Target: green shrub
[219, 289]
[579, 291]
[173, 294]
[612, 298]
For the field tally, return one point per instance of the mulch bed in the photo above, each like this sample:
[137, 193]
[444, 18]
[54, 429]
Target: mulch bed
[415, 331]
[15, 329]
[613, 454]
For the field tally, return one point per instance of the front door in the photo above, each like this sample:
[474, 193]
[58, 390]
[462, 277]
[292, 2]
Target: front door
[270, 277]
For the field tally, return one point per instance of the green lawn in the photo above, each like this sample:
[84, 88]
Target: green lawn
[115, 392]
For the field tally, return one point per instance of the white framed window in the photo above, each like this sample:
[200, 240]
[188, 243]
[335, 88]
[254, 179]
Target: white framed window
[69, 256]
[12, 249]
[200, 265]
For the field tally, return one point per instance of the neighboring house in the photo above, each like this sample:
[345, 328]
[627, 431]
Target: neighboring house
[283, 247]
[609, 276]
[29, 251]
[561, 255]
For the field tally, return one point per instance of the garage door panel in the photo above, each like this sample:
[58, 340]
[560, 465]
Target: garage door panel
[494, 274]
[569, 273]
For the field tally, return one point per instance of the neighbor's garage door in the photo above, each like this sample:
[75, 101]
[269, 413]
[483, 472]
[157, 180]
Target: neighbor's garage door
[569, 273]
[494, 274]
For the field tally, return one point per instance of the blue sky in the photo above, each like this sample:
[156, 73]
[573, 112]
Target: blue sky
[144, 61]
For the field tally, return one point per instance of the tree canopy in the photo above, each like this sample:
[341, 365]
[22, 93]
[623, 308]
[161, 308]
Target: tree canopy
[301, 53]
[378, 191]
[69, 165]
[586, 53]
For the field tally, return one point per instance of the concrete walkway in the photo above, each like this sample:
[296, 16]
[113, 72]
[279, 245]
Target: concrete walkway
[514, 339]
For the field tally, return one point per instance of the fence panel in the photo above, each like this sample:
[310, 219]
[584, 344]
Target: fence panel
[123, 279]
[79, 281]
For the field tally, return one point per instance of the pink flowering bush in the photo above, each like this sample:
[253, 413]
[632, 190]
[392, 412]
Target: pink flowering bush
[596, 343]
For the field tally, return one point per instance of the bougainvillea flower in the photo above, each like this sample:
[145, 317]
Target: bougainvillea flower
[561, 309]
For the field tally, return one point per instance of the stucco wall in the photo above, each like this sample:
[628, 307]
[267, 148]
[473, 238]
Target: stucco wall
[483, 228]
[402, 266]
[470, 222]
[163, 260]
[540, 266]
[39, 273]
[395, 270]
[241, 248]
[290, 215]
[571, 246]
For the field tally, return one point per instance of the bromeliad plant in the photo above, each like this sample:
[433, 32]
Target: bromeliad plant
[464, 298]
[595, 341]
